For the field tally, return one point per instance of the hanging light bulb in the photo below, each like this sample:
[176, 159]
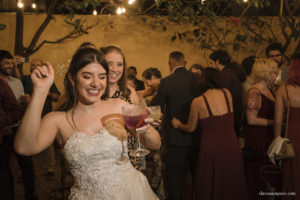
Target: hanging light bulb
[245, 1]
[131, 1]
[33, 5]
[95, 12]
[20, 4]
[119, 10]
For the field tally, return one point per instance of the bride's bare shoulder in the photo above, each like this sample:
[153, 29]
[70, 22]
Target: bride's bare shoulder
[55, 116]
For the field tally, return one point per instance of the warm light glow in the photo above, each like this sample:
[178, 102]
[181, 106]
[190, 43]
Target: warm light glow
[20, 4]
[119, 10]
[95, 12]
[123, 10]
[33, 5]
[245, 1]
[202, 1]
[131, 1]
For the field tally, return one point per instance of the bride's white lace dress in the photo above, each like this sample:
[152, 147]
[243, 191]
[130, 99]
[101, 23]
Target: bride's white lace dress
[92, 161]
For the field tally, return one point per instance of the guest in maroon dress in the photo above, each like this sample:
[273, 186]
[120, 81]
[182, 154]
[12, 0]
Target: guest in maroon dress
[260, 115]
[290, 92]
[220, 172]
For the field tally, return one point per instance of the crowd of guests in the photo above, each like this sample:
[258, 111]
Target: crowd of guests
[205, 112]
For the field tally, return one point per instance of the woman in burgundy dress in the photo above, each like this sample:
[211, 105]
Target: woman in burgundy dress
[260, 117]
[290, 92]
[220, 172]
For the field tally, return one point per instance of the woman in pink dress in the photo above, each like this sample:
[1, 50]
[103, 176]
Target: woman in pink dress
[290, 92]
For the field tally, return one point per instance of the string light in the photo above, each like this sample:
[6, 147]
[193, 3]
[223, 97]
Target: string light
[121, 10]
[95, 12]
[131, 1]
[20, 4]
[33, 5]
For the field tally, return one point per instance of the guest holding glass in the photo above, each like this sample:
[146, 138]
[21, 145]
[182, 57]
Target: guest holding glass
[219, 172]
[260, 119]
[119, 89]
[288, 95]
[91, 150]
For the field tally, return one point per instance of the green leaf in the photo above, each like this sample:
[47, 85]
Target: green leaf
[196, 32]
[174, 37]
[144, 19]
[2, 27]
[179, 35]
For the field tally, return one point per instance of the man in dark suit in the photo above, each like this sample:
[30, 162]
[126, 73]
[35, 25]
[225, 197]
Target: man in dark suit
[175, 95]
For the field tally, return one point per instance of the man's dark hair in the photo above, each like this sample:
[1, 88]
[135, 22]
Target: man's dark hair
[133, 68]
[151, 72]
[5, 54]
[273, 47]
[221, 55]
[176, 55]
[247, 64]
[196, 66]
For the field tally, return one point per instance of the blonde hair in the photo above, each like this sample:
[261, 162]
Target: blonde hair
[262, 69]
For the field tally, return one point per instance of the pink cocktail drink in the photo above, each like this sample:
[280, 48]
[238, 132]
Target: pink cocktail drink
[135, 121]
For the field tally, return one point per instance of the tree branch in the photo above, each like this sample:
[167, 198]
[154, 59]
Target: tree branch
[288, 8]
[73, 34]
[245, 10]
[41, 29]
[296, 8]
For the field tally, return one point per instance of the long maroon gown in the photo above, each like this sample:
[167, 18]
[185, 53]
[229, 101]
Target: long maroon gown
[220, 172]
[291, 168]
[259, 138]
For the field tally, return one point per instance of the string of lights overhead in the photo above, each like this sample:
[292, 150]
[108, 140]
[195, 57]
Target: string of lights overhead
[119, 10]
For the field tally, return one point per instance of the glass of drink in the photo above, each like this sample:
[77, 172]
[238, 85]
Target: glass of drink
[134, 117]
[155, 113]
[119, 119]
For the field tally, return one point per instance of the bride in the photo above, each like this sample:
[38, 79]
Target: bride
[90, 148]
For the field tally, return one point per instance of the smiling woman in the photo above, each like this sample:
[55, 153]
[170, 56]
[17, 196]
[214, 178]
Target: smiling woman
[118, 89]
[91, 148]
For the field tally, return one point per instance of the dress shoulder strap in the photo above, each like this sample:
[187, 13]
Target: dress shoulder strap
[227, 101]
[287, 94]
[207, 106]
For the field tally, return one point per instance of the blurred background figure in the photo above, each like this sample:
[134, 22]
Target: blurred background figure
[174, 96]
[247, 64]
[139, 84]
[152, 78]
[196, 68]
[288, 95]
[229, 79]
[260, 118]
[7, 69]
[131, 81]
[224, 175]
[10, 114]
[274, 51]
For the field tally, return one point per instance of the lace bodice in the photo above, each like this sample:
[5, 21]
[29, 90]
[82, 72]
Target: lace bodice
[92, 161]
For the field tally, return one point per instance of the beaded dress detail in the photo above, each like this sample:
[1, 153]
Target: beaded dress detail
[96, 174]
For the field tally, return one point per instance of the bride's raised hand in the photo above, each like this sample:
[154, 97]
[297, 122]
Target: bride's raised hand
[43, 77]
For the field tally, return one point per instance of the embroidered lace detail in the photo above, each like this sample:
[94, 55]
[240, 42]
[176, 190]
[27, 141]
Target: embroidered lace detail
[92, 161]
